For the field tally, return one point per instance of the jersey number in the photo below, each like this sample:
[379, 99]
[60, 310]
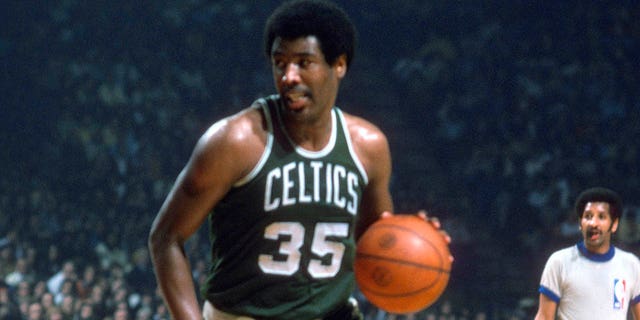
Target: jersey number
[321, 245]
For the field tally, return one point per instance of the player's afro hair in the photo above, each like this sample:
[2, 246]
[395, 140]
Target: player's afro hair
[322, 19]
[599, 194]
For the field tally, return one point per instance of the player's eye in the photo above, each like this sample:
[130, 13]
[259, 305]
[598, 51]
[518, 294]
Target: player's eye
[278, 63]
[304, 63]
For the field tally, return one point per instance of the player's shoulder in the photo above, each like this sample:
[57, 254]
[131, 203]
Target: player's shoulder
[627, 255]
[564, 254]
[363, 131]
[235, 142]
[370, 146]
[237, 129]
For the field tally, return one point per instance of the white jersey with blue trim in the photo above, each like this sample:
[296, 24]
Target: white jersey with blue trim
[592, 286]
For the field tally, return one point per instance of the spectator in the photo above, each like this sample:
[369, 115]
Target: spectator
[39, 289]
[23, 292]
[83, 285]
[21, 272]
[35, 311]
[8, 307]
[86, 313]
[121, 312]
[141, 275]
[54, 313]
[68, 272]
[66, 291]
[7, 257]
[46, 300]
[68, 306]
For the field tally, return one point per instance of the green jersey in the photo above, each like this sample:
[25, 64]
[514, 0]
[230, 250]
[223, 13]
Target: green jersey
[283, 237]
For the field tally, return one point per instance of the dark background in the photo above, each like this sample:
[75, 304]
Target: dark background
[498, 113]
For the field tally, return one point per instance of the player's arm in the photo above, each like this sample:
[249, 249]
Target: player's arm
[372, 148]
[546, 308]
[635, 310]
[221, 157]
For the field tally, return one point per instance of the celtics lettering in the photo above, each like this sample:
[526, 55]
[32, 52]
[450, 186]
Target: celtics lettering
[311, 182]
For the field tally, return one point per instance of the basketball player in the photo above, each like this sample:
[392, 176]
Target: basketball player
[290, 183]
[593, 279]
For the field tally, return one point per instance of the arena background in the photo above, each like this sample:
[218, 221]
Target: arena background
[498, 113]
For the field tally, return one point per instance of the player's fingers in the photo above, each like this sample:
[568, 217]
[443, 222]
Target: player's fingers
[435, 222]
[386, 214]
[446, 236]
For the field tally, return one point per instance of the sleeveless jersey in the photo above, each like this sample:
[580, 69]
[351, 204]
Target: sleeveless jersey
[586, 285]
[283, 237]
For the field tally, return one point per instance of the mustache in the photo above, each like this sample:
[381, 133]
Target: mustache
[295, 89]
[593, 231]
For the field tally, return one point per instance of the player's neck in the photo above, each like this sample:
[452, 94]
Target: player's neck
[312, 136]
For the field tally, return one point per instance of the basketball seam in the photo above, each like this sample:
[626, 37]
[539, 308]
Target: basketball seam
[403, 294]
[408, 263]
[421, 279]
[417, 234]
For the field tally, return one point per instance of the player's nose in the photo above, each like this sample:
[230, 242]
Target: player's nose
[291, 74]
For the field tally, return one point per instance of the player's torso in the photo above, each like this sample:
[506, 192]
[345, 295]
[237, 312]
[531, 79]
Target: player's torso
[286, 231]
[605, 287]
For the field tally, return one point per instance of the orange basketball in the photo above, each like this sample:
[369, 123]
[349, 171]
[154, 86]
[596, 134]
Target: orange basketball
[402, 264]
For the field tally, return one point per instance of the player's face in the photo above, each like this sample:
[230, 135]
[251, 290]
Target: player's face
[307, 84]
[596, 226]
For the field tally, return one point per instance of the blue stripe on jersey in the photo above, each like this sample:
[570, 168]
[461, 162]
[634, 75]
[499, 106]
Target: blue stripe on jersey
[550, 294]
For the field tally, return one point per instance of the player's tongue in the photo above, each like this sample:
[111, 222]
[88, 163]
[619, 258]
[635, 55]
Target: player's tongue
[593, 234]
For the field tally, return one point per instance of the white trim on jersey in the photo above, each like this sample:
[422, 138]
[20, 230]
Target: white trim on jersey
[308, 153]
[262, 103]
[354, 156]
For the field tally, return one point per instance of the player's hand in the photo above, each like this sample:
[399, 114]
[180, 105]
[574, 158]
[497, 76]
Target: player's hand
[435, 222]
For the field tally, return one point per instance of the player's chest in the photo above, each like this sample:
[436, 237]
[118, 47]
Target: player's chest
[605, 282]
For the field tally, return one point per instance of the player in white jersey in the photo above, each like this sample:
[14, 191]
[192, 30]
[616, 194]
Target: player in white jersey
[593, 279]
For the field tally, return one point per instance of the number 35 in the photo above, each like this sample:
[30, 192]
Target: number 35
[320, 246]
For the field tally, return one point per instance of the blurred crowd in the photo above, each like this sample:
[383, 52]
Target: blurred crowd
[498, 114]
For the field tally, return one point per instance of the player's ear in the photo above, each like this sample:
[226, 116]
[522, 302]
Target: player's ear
[340, 65]
[614, 226]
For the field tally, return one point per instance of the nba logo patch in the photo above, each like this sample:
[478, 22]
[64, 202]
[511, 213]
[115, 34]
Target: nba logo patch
[619, 289]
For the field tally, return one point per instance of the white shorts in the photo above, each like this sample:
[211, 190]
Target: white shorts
[209, 312]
